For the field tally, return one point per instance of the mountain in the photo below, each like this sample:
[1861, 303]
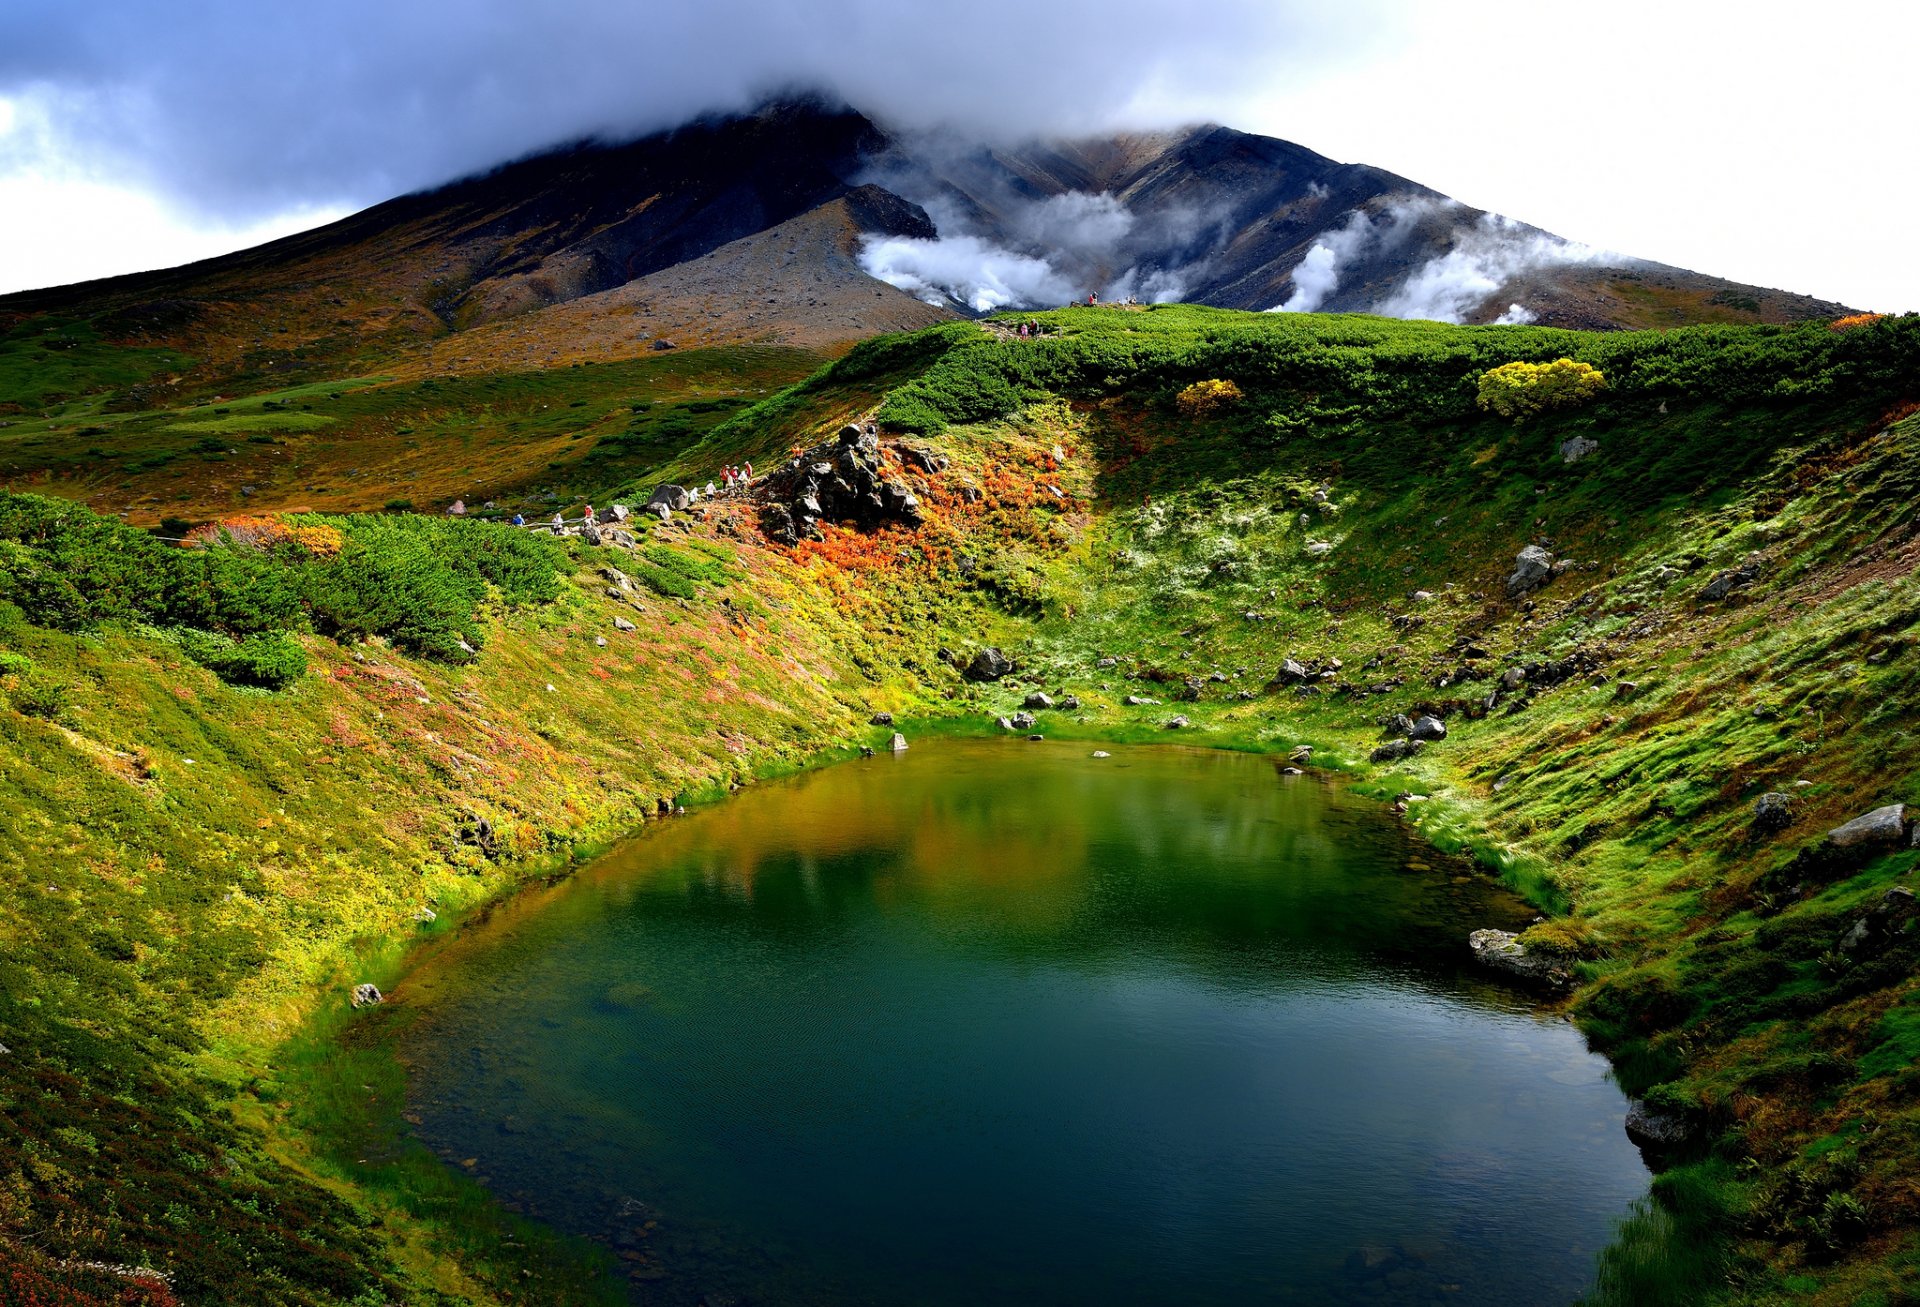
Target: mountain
[812, 225]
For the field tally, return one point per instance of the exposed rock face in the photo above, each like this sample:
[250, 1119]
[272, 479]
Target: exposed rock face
[1772, 812]
[1532, 568]
[1572, 451]
[988, 665]
[1725, 583]
[1502, 951]
[1656, 1130]
[366, 995]
[845, 481]
[1881, 828]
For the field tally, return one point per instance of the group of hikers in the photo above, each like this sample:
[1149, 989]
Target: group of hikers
[736, 478]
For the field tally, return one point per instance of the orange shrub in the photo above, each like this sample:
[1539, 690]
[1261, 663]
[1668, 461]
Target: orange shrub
[266, 534]
[1853, 320]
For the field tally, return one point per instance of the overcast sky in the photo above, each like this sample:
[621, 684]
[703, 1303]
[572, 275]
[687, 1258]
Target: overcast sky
[1769, 143]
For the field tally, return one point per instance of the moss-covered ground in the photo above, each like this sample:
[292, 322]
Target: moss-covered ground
[197, 873]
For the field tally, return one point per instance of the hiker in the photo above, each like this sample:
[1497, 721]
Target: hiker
[710, 490]
[559, 524]
[459, 508]
[589, 519]
[1093, 298]
[747, 475]
[519, 520]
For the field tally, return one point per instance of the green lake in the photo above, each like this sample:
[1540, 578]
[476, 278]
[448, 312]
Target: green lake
[999, 1021]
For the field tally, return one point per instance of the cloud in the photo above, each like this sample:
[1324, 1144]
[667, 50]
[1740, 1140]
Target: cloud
[966, 270]
[1486, 255]
[237, 109]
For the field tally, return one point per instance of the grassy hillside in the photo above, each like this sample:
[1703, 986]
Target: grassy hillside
[201, 867]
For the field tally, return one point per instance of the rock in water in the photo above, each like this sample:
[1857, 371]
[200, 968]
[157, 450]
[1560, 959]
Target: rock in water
[1502, 951]
[367, 995]
[899, 743]
[1532, 568]
[989, 665]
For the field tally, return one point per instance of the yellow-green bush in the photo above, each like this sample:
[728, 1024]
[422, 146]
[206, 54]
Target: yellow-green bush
[1519, 390]
[1205, 398]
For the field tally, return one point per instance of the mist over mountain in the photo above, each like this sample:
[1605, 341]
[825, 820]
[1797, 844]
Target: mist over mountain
[807, 222]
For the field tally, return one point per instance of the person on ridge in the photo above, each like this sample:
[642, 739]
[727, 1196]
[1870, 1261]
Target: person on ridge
[519, 520]
[590, 520]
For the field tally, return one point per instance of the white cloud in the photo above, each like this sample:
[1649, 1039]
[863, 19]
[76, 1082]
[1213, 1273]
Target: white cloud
[1485, 256]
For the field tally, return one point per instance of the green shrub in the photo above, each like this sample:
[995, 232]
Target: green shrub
[271, 662]
[40, 695]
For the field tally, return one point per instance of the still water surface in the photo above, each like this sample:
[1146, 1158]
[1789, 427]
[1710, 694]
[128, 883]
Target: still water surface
[1001, 1022]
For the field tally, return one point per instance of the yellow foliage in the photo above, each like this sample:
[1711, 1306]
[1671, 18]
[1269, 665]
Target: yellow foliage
[1205, 398]
[1520, 390]
[1853, 320]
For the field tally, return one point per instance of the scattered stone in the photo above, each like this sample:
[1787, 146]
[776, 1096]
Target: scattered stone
[898, 743]
[1725, 583]
[1022, 721]
[1625, 689]
[1003, 723]
[1318, 548]
[1428, 728]
[1655, 1129]
[619, 580]
[1139, 701]
[622, 624]
[1882, 827]
[1772, 812]
[1301, 752]
[1422, 596]
[366, 995]
[1395, 750]
[599, 641]
[988, 665]
[1291, 771]
[425, 916]
[1532, 568]
[671, 496]
[880, 719]
[1397, 724]
[1572, 451]
[1070, 704]
[1189, 691]
[1107, 662]
[1101, 753]
[1502, 951]
[1872, 933]
[845, 481]
[1036, 738]
[1038, 701]
[1513, 678]
[1177, 723]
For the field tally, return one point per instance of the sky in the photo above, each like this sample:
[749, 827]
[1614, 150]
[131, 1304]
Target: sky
[1765, 142]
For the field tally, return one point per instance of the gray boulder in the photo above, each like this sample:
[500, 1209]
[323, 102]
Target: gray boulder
[1513, 678]
[988, 665]
[673, 496]
[1398, 725]
[1869, 935]
[1655, 1129]
[1883, 827]
[1572, 451]
[1291, 672]
[1428, 728]
[880, 719]
[1139, 701]
[366, 995]
[1178, 723]
[1395, 750]
[1772, 812]
[1070, 704]
[1038, 701]
[622, 624]
[1022, 721]
[1532, 568]
[1501, 950]
[898, 743]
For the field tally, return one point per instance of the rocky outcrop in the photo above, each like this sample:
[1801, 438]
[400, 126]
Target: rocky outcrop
[1579, 447]
[670, 496]
[1891, 917]
[1502, 951]
[1725, 583]
[844, 481]
[1395, 750]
